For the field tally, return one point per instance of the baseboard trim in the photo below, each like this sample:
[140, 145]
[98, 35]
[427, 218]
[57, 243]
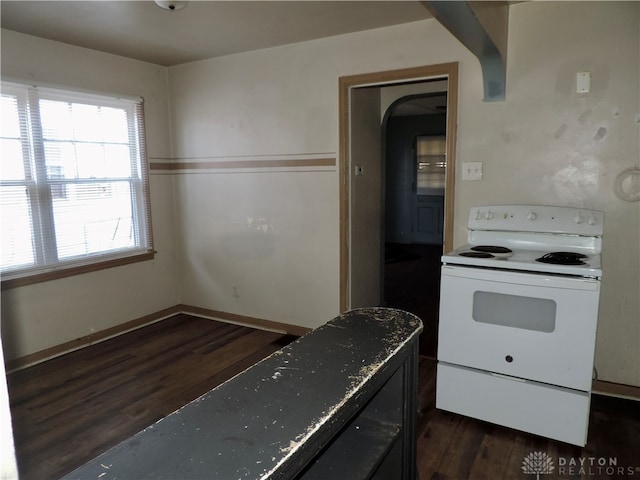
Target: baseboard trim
[96, 337]
[259, 323]
[616, 390]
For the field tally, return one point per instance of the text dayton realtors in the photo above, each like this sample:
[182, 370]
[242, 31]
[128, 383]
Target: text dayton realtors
[593, 466]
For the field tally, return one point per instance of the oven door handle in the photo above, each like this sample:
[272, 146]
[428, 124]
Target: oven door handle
[528, 279]
[507, 377]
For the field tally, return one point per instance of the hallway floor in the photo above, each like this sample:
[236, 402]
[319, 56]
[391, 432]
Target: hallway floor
[412, 283]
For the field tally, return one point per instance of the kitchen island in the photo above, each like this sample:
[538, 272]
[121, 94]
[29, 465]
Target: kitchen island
[339, 402]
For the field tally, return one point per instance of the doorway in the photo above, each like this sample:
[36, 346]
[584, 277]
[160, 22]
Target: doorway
[414, 155]
[362, 204]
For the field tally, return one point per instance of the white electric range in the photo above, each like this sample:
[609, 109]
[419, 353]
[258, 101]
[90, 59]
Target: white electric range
[518, 319]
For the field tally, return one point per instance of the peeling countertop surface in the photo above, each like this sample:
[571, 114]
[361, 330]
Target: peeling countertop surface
[263, 422]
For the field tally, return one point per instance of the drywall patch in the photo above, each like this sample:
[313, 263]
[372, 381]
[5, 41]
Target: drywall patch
[579, 179]
[259, 224]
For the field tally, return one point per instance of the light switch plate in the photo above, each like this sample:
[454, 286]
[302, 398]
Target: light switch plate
[583, 82]
[472, 171]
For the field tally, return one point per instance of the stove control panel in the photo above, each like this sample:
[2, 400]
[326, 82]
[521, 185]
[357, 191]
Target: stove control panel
[537, 218]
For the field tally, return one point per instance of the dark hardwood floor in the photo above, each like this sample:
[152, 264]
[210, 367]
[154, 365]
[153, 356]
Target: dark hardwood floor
[68, 410]
[72, 408]
[412, 284]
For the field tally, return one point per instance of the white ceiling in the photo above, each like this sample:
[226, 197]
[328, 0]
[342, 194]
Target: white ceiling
[203, 29]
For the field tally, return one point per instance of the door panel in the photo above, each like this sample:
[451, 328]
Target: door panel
[428, 219]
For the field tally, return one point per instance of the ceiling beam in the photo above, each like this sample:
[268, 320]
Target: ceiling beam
[483, 28]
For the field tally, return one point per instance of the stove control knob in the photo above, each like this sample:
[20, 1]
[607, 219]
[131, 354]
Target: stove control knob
[578, 219]
[488, 215]
[532, 216]
[478, 215]
[592, 220]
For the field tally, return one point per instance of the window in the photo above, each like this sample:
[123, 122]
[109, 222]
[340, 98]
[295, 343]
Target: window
[73, 183]
[431, 164]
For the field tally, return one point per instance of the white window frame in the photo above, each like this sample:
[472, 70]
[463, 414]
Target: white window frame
[47, 264]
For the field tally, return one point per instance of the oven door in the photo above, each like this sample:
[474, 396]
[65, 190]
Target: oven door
[532, 326]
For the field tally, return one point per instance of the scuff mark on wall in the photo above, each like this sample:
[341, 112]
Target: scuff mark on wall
[560, 131]
[600, 134]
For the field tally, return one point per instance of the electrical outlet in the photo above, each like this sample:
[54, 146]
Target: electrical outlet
[472, 171]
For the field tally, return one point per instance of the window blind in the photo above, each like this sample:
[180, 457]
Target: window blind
[73, 180]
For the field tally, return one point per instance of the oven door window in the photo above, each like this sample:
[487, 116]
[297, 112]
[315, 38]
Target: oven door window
[528, 313]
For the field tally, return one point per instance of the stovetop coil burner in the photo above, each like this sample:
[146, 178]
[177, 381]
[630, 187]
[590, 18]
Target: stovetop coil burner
[563, 258]
[491, 249]
[477, 255]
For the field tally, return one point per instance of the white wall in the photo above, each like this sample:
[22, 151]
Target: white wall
[543, 145]
[40, 316]
[546, 144]
[260, 244]
[282, 103]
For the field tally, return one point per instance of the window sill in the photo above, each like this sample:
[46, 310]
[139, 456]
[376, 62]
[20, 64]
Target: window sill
[74, 270]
